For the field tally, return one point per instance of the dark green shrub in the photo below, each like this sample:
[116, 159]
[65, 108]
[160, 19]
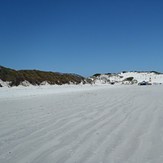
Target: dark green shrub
[128, 79]
[96, 75]
[36, 77]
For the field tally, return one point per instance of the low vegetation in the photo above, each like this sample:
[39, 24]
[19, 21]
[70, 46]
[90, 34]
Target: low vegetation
[128, 79]
[96, 75]
[36, 77]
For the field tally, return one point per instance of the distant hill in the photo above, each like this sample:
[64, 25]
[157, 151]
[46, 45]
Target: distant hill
[132, 77]
[36, 77]
[10, 77]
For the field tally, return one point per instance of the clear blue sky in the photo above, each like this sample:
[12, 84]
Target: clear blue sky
[82, 36]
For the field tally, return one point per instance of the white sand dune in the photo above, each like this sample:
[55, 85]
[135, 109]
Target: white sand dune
[87, 124]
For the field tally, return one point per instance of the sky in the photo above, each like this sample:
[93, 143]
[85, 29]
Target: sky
[82, 36]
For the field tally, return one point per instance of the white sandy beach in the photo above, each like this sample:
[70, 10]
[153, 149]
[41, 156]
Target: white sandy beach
[81, 124]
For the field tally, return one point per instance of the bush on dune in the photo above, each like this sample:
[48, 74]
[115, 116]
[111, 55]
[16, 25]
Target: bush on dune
[36, 77]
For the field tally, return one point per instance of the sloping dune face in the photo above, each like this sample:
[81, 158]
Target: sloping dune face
[96, 125]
